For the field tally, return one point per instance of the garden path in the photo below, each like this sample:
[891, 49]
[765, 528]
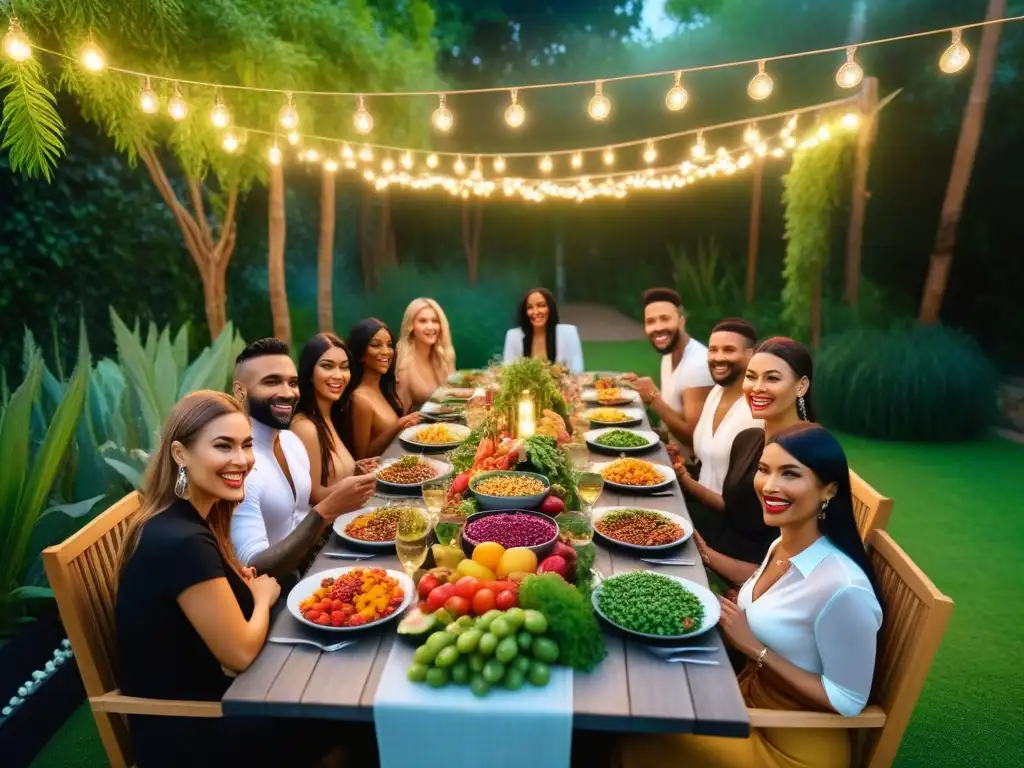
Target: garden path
[597, 322]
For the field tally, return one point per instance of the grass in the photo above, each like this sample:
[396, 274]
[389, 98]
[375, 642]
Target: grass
[955, 516]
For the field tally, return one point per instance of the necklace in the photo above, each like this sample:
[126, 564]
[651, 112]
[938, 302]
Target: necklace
[782, 561]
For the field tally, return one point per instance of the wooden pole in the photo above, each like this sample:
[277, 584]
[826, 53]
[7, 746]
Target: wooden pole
[754, 236]
[275, 256]
[963, 164]
[325, 256]
[860, 195]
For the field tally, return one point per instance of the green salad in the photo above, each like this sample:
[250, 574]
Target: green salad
[622, 438]
[650, 603]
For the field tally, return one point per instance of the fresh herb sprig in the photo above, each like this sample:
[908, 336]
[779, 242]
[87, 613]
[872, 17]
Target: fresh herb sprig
[571, 621]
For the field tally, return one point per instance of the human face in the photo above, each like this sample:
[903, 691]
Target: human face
[728, 355]
[537, 310]
[380, 353]
[331, 374]
[218, 460]
[426, 326]
[269, 385]
[790, 492]
[772, 387]
[663, 325]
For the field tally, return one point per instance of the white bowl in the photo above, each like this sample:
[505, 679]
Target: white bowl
[712, 609]
[667, 473]
[308, 585]
[343, 521]
[591, 438]
[460, 431]
[443, 468]
[628, 397]
[682, 522]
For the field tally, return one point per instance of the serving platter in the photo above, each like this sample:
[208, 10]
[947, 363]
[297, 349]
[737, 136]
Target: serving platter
[634, 416]
[626, 397]
[311, 583]
[592, 436]
[667, 473]
[408, 438]
[712, 609]
[601, 512]
[443, 469]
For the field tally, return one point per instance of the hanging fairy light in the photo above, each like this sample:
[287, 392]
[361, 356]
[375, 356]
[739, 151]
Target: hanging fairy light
[499, 165]
[650, 153]
[388, 165]
[955, 57]
[294, 138]
[366, 154]
[407, 161]
[760, 86]
[850, 121]
[362, 120]
[608, 157]
[148, 101]
[824, 134]
[546, 164]
[442, 117]
[751, 135]
[346, 152]
[577, 160]
[432, 161]
[515, 114]
[288, 117]
[477, 173]
[91, 56]
[176, 106]
[330, 165]
[274, 154]
[789, 127]
[699, 150]
[311, 155]
[851, 73]
[16, 44]
[599, 107]
[229, 142]
[220, 116]
[677, 96]
[460, 166]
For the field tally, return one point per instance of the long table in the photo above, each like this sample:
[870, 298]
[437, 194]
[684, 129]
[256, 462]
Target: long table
[630, 691]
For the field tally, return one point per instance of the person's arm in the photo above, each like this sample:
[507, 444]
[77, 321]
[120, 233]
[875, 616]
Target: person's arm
[513, 346]
[305, 430]
[248, 529]
[575, 357]
[693, 405]
[729, 568]
[405, 391]
[362, 427]
[702, 493]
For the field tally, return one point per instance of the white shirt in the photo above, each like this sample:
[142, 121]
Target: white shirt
[823, 617]
[692, 371]
[713, 448]
[568, 347]
[270, 510]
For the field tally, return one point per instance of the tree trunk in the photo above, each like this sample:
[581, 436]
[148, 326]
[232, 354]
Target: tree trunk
[325, 256]
[963, 164]
[275, 256]
[211, 256]
[860, 195]
[754, 235]
[471, 228]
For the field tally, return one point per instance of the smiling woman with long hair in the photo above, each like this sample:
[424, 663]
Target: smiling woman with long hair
[372, 411]
[539, 334]
[425, 353]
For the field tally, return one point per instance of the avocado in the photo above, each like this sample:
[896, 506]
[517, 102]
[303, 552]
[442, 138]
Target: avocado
[417, 626]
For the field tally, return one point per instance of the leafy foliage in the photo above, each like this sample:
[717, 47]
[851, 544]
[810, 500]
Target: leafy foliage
[907, 383]
[533, 374]
[31, 127]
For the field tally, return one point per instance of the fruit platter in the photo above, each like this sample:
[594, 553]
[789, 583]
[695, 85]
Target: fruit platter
[345, 599]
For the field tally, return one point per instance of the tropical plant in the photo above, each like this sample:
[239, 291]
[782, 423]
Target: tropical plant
[911, 382]
[704, 281]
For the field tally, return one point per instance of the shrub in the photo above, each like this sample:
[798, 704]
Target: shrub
[911, 382]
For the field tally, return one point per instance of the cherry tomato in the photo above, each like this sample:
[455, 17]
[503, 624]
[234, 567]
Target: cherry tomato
[501, 586]
[483, 601]
[467, 586]
[457, 606]
[427, 585]
[436, 600]
[506, 599]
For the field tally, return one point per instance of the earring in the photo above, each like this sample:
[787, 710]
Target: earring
[181, 484]
[824, 506]
[801, 407]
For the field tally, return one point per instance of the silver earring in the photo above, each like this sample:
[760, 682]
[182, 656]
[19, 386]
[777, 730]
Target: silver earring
[181, 484]
[824, 506]
[801, 407]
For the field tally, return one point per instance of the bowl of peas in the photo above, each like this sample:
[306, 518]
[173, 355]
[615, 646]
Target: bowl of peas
[617, 441]
[656, 606]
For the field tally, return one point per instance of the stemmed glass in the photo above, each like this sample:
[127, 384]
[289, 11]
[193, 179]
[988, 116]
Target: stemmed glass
[411, 540]
[434, 494]
[577, 527]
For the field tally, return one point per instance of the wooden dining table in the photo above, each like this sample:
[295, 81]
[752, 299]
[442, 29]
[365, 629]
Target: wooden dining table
[632, 690]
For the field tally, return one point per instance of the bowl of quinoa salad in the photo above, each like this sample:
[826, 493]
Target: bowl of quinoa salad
[370, 527]
[408, 473]
[643, 530]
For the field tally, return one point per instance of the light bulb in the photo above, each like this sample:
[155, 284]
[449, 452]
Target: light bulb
[293, 138]
[330, 165]
[577, 160]
[546, 164]
[790, 142]
[219, 115]
[751, 135]
[176, 107]
[608, 157]
[850, 121]
[699, 150]
[515, 114]
[346, 151]
[230, 142]
[476, 174]
[16, 44]
[761, 149]
[92, 57]
[442, 117]
[288, 117]
[850, 74]
[388, 165]
[760, 86]
[350, 164]
[650, 153]
[312, 155]
[789, 127]
[148, 101]
[956, 56]
[362, 120]
[366, 154]
[824, 133]
[407, 161]
[274, 155]
[599, 107]
[460, 166]
[677, 96]
[431, 161]
[499, 165]
[778, 152]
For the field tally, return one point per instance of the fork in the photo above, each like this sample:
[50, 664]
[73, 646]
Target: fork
[328, 648]
[658, 650]
[688, 660]
[347, 556]
[668, 561]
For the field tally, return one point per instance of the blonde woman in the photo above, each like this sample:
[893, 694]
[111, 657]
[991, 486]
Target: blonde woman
[426, 356]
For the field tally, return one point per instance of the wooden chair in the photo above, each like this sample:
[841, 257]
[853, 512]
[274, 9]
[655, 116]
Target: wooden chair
[83, 575]
[915, 618]
[870, 508]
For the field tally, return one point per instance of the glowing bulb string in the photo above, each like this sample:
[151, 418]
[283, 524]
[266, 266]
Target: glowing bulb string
[566, 84]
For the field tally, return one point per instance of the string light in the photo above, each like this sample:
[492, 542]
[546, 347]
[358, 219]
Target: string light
[274, 154]
[608, 157]
[431, 161]
[477, 173]
[176, 106]
[824, 133]
[515, 114]
[148, 101]
[499, 165]
[577, 160]
[388, 165]
[545, 164]
[599, 107]
[288, 117]
[294, 138]
[311, 155]
[366, 154]
[16, 44]
[346, 152]
[850, 74]
[650, 153]
[850, 121]
[219, 115]
[677, 96]
[460, 166]
[407, 161]
[330, 165]
[789, 127]
[699, 150]
[362, 120]
[751, 135]
[956, 56]
[91, 56]
[230, 142]
[442, 117]
[760, 86]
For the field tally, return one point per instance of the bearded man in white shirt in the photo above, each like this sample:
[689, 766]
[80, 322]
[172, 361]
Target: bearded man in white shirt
[274, 530]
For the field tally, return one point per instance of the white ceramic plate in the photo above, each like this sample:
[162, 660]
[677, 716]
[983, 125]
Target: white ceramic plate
[459, 431]
[432, 411]
[712, 609]
[628, 397]
[667, 473]
[342, 522]
[687, 527]
[591, 439]
[463, 394]
[635, 416]
[443, 468]
[311, 583]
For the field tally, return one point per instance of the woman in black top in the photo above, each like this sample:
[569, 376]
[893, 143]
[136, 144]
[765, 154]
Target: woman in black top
[732, 535]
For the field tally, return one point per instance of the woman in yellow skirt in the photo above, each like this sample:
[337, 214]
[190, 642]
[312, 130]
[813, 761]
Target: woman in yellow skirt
[807, 619]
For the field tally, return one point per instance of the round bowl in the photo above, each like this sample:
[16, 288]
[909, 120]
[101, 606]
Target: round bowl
[540, 550]
[591, 439]
[712, 612]
[408, 438]
[508, 502]
[308, 585]
[443, 470]
[600, 512]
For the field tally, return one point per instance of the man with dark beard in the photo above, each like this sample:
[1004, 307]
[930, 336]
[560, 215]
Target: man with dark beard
[685, 381]
[273, 529]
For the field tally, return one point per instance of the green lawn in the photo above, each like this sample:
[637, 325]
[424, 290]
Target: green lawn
[956, 514]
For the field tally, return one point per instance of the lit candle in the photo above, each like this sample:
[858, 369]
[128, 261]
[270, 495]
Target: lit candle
[527, 416]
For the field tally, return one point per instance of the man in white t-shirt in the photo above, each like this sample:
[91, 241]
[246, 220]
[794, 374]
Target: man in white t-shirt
[274, 529]
[685, 379]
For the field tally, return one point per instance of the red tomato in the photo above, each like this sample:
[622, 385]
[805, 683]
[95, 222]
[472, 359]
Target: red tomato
[324, 620]
[506, 599]
[501, 586]
[448, 590]
[337, 618]
[483, 601]
[337, 605]
[427, 585]
[326, 606]
[313, 615]
[467, 586]
[457, 606]
[436, 600]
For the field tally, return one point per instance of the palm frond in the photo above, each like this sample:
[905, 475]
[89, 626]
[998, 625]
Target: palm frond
[32, 130]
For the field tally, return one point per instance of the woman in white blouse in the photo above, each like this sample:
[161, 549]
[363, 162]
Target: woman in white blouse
[541, 335]
[807, 619]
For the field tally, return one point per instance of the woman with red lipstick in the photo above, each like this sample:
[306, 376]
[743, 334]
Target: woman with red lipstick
[539, 334]
[807, 620]
[426, 356]
[732, 534]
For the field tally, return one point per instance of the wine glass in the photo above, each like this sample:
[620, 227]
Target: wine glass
[411, 540]
[577, 527]
[434, 494]
[578, 452]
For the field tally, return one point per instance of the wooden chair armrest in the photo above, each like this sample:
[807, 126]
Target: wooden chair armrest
[870, 717]
[132, 705]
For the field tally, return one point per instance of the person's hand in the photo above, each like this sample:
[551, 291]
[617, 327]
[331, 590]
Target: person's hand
[350, 494]
[646, 389]
[367, 466]
[629, 377]
[737, 630]
[409, 420]
[265, 590]
[702, 548]
[248, 574]
[733, 595]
